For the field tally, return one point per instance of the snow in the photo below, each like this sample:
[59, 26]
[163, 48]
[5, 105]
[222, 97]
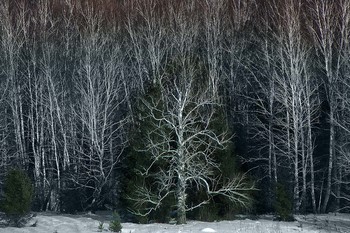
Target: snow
[88, 223]
[208, 230]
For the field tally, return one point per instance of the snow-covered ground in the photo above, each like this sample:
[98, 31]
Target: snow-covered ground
[88, 223]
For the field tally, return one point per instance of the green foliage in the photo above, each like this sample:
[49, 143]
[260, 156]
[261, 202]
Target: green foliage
[283, 204]
[138, 158]
[163, 214]
[208, 213]
[71, 200]
[115, 223]
[220, 207]
[100, 226]
[263, 199]
[18, 196]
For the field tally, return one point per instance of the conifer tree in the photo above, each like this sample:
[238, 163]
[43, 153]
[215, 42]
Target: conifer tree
[18, 196]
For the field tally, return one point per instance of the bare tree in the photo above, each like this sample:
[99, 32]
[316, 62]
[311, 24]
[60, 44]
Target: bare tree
[147, 33]
[183, 139]
[13, 37]
[214, 19]
[298, 92]
[342, 44]
[286, 105]
[5, 132]
[325, 18]
[101, 96]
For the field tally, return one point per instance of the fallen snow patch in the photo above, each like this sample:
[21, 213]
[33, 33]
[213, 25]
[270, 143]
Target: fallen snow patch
[208, 230]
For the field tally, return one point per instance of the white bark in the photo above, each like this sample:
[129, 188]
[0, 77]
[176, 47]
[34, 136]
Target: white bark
[101, 95]
[325, 21]
[186, 112]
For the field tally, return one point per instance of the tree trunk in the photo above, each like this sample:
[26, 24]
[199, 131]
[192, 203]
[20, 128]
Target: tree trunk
[181, 195]
[272, 154]
[331, 155]
[311, 156]
[181, 202]
[181, 166]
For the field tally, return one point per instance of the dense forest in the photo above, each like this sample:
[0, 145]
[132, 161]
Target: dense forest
[247, 98]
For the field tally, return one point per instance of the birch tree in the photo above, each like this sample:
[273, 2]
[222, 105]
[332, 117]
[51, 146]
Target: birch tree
[145, 27]
[13, 37]
[97, 112]
[5, 35]
[185, 142]
[287, 101]
[292, 54]
[325, 21]
[36, 113]
[341, 175]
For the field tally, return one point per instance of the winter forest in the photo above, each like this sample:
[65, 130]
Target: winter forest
[201, 108]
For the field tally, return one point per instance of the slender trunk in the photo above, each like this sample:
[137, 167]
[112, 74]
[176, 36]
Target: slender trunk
[33, 108]
[311, 156]
[21, 117]
[331, 155]
[40, 134]
[304, 168]
[296, 170]
[320, 196]
[287, 124]
[66, 160]
[16, 122]
[296, 154]
[339, 183]
[54, 196]
[272, 155]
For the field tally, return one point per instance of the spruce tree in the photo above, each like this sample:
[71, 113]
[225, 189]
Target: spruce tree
[18, 196]
[138, 158]
[284, 207]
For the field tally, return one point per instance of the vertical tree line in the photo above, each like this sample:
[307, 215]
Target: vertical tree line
[72, 74]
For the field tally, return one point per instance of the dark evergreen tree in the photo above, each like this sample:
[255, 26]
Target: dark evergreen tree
[115, 224]
[219, 207]
[138, 158]
[284, 206]
[18, 195]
